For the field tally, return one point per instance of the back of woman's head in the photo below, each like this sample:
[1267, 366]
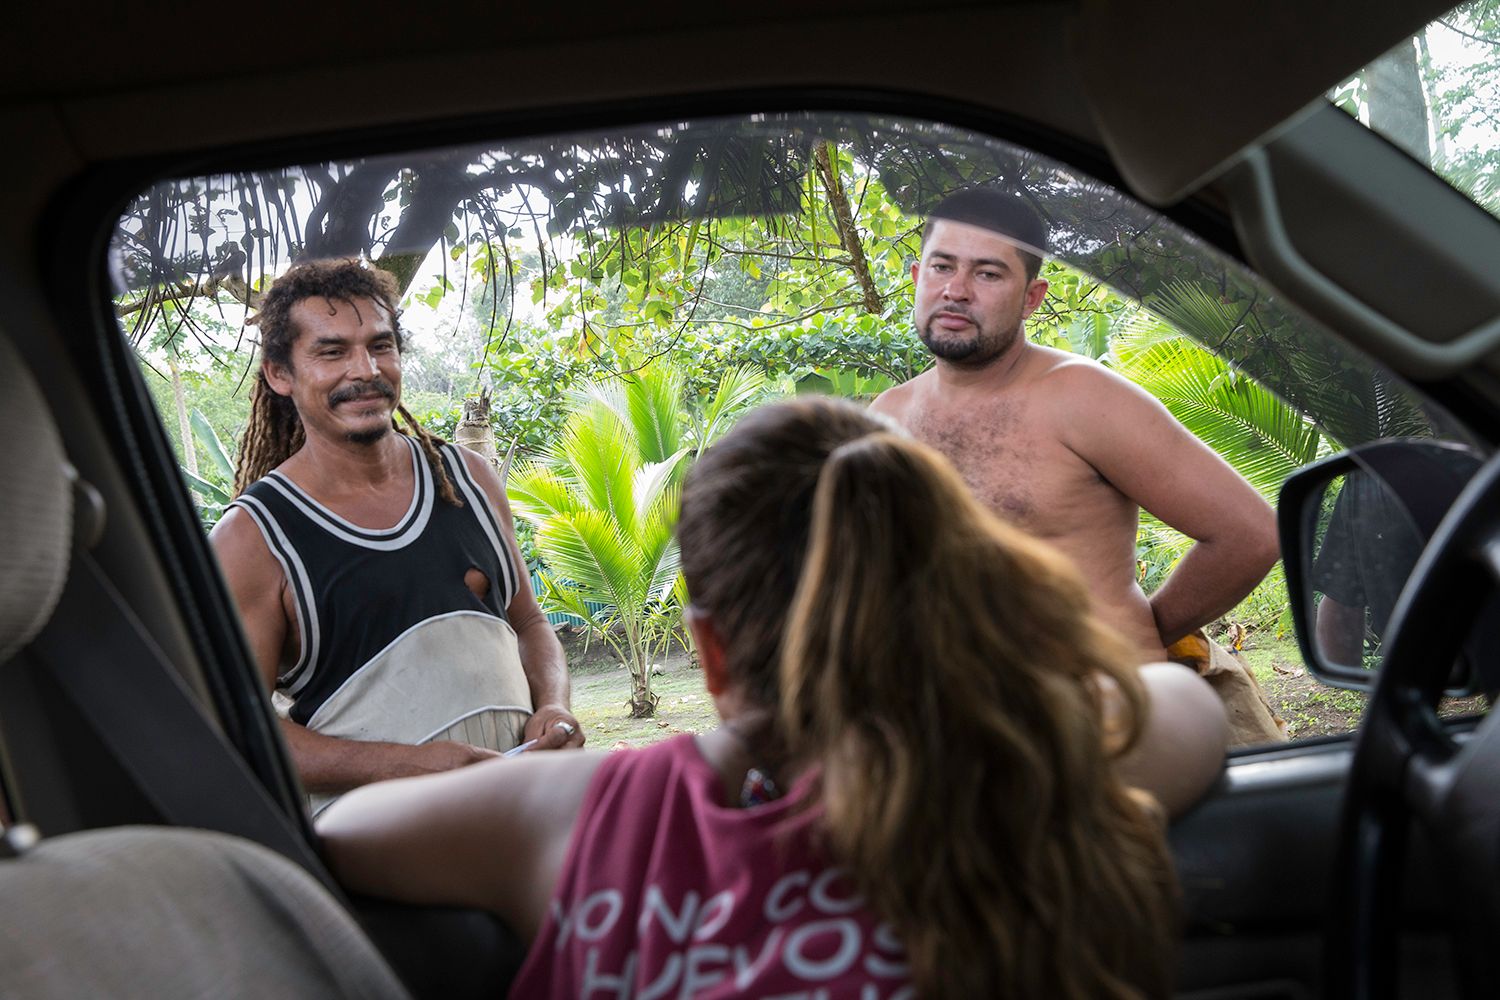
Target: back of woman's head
[746, 511]
[942, 671]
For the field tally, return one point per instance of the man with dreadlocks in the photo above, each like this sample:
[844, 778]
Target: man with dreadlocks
[375, 566]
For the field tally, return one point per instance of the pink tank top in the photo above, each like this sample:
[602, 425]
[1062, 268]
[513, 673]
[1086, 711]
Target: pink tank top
[667, 892]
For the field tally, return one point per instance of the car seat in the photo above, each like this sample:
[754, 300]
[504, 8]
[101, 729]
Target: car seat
[137, 910]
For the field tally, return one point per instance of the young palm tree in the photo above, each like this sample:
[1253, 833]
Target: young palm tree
[605, 501]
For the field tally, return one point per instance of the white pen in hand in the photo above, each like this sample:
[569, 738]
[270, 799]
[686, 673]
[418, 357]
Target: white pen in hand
[522, 748]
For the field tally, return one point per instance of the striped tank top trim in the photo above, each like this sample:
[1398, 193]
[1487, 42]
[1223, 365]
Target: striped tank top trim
[399, 535]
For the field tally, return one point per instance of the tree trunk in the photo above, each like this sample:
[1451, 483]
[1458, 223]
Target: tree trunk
[475, 432]
[1398, 103]
[643, 700]
[1429, 92]
[843, 220]
[184, 425]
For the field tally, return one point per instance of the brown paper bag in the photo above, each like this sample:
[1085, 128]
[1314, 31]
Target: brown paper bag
[1251, 718]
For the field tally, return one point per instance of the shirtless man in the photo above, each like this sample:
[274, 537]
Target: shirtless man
[1062, 446]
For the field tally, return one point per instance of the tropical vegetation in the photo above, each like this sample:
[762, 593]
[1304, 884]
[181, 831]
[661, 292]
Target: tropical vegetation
[602, 503]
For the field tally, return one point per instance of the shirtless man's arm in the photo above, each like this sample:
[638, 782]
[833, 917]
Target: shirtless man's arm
[327, 765]
[541, 654]
[1138, 447]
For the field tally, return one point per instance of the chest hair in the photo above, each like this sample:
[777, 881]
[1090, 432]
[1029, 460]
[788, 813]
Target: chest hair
[994, 452]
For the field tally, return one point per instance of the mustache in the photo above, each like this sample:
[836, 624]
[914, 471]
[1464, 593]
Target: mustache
[362, 390]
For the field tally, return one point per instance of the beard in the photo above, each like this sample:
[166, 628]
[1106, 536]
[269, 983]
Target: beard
[376, 388]
[369, 436]
[983, 345]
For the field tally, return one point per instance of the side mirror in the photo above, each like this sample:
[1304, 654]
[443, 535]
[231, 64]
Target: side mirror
[1352, 528]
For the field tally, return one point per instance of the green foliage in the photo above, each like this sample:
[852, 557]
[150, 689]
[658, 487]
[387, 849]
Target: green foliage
[211, 489]
[1464, 99]
[1079, 313]
[1450, 96]
[219, 389]
[603, 501]
[1262, 437]
[738, 389]
[624, 340]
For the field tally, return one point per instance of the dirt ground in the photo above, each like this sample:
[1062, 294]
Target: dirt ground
[1310, 707]
[601, 690]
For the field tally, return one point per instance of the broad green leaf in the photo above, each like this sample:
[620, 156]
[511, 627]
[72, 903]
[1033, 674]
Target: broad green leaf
[207, 490]
[1262, 437]
[652, 479]
[658, 544]
[653, 399]
[589, 550]
[559, 596]
[204, 432]
[737, 390]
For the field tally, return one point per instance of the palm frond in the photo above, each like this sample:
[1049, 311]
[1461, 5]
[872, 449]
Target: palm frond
[738, 389]
[537, 492]
[1194, 311]
[1158, 549]
[1141, 330]
[660, 555]
[610, 394]
[601, 459]
[653, 399]
[653, 478]
[680, 591]
[1262, 437]
[558, 596]
[600, 562]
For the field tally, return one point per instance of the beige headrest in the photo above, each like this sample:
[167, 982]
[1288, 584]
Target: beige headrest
[36, 506]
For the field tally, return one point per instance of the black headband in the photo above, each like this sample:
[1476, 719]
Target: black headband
[997, 211]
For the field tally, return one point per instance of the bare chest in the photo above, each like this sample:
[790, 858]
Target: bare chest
[1011, 455]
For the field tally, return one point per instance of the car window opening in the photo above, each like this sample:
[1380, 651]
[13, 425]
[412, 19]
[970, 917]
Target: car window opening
[557, 294]
[1435, 97]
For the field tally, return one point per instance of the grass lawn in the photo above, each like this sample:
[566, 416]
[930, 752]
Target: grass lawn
[600, 702]
[1309, 707]
[601, 692]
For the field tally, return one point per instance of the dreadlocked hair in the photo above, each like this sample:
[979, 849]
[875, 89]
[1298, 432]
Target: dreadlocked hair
[272, 434]
[430, 443]
[274, 431]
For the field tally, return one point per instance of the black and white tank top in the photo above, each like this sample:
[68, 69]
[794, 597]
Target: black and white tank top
[394, 644]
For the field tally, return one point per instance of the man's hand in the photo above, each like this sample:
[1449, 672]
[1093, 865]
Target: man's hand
[331, 766]
[553, 727]
[446, 755]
